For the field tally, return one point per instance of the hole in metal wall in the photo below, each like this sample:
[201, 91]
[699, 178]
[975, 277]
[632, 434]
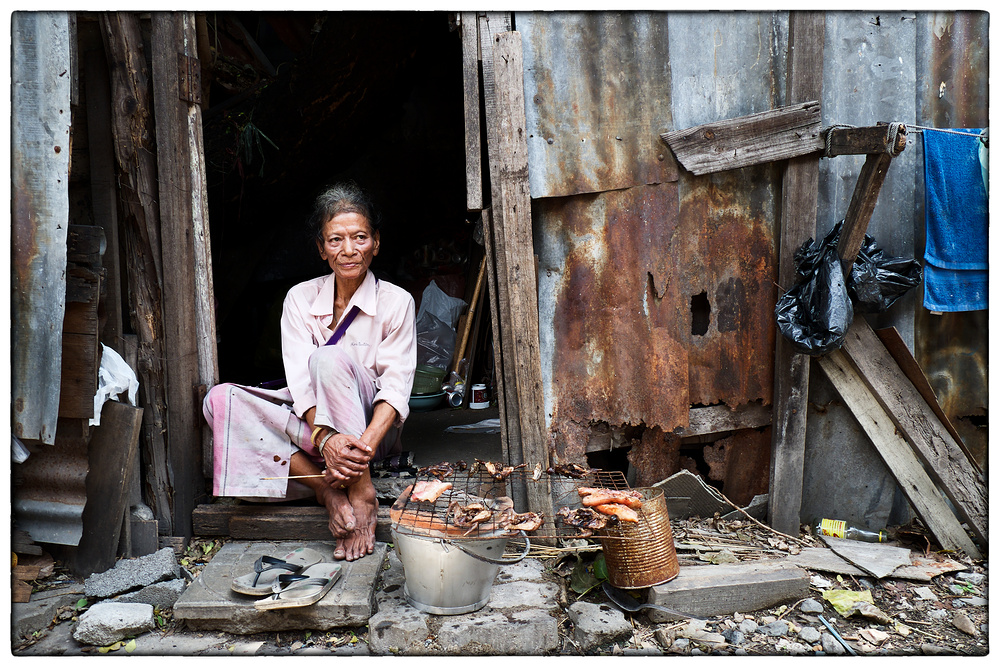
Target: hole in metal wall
[701, 314]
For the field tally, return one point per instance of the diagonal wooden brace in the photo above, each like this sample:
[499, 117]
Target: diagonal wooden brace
[859, 212]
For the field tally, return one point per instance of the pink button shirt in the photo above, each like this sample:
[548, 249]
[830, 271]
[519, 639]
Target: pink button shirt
[382, 338]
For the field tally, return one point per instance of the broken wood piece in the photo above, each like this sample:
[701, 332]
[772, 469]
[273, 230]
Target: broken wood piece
[710, 590]
[863, 140]
[878, 560]
[908, 471]
[859, 211]
[946, 462]
[777, 134]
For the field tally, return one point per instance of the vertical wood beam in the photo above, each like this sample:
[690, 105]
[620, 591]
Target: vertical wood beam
[183, 218]
[469, 27]
[798, 224]
[511, 194]
[859, 211]
[132, 129]
[490, 25]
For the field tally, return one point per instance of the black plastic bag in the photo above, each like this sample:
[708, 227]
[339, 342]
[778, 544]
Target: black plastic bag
[876, 281]
[815, 313]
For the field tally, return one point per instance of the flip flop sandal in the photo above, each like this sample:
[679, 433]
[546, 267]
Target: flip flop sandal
[303, 589]
[266, 570]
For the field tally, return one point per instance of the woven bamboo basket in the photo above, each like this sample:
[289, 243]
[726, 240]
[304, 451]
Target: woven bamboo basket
[642, 554]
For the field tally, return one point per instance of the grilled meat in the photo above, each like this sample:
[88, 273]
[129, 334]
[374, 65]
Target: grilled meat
[468, 516]
[569, 470]
[497, 471]
[440, 470]
[512, 521]
[583, 518]
[591, 497]
[428, 490]
[622, 512]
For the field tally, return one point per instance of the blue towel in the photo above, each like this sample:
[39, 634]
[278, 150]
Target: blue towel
[957, 215]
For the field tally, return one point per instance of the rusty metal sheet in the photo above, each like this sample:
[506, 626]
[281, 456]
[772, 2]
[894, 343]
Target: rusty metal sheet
[623, 267]
[50, 491]
[597, 97]
[40, 151]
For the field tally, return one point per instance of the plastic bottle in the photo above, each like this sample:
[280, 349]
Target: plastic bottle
[835, 528]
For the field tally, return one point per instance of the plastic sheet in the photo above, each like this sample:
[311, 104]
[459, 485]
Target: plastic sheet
[435, 341]
[114, 377]
[442, 306]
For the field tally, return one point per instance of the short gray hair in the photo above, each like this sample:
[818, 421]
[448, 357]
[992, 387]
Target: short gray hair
[346, 197]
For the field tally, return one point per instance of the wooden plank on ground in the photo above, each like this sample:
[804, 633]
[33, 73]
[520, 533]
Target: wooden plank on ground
[712, 590]
[111, 453]
[469, 28]
[923, 495]
[945, 461]
[777, 134]
[511, 194]
[799, 194]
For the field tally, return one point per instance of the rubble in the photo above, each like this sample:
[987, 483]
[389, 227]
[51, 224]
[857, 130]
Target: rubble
[130, 574]
[109, 622]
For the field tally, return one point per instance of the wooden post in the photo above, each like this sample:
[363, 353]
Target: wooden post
[798, 224]
[136, 160]
[470, 83]
[859, 211]
[492, 24]
[509, 176]
[183, 218]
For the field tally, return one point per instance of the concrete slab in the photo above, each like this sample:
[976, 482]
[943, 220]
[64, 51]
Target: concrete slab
[210, 604]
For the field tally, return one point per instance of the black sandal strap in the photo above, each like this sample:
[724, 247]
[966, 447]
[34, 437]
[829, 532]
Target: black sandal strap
[273, 564]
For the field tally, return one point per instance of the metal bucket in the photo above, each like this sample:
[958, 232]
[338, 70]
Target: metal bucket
[448, 577]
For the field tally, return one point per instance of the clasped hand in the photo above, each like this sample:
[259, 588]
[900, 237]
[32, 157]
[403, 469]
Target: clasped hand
[346, 459]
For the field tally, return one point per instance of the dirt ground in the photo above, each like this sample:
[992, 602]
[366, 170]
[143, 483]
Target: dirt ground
[946, 616]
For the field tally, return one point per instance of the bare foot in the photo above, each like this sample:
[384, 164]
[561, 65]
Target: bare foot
[361, 541]
[342, 520]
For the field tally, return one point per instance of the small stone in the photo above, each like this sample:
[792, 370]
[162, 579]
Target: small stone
[811, 606]
[681, 643]
[962, 622]
[809, 634]
[831, 645]
[775, 629]
[734, 637]
[931, 649]
[873, 635]
[974, 602]
[924, 593]
[748, 626]
[938, 614]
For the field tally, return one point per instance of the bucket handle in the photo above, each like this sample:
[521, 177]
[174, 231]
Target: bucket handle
[501, 561]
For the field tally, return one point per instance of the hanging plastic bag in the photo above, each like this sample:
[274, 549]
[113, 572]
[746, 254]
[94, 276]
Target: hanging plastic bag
[816, 312]
[435, 341]
[442, 306]
[876, 281]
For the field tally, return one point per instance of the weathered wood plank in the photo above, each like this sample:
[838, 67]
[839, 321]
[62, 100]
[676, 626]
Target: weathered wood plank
[777, 134]
[722, 418]
[470, 87]
[173, 40]
[712, 590]
[859, 211]
[862, 140]
[923, 495]
[896, 347]
[799, 194]
[945, 461]
[112, 452]
[273, 522]
[509, 174]
[490, 25]
[135, 158]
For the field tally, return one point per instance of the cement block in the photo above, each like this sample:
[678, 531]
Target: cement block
[209, 603]
[34, 616]
[161, 594]
[597, 624]
[524, 632]
[133, 573]
[109, 622]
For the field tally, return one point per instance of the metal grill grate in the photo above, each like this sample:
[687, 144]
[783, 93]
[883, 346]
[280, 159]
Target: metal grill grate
[477, 504]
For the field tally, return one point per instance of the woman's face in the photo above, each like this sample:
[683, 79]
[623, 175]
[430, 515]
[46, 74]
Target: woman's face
[348, 245]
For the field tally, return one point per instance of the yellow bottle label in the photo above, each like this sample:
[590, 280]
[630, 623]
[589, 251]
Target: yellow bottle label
[832, 527]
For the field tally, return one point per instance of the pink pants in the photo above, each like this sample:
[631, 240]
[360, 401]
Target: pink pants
[255, 432]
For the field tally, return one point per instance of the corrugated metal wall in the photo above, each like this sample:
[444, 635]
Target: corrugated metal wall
[40, 152]
[626, 249]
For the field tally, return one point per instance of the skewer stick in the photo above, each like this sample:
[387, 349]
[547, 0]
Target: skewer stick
[293, 477]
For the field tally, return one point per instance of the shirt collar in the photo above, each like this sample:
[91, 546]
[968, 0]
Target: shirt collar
[365, 298]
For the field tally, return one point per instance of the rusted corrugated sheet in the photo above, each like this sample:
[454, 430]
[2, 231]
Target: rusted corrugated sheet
[629, 348]
[954, 92]
[50, 491]
[40, 150]
[597, 97]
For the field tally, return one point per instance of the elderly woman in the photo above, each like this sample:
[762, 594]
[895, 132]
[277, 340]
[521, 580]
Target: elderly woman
[348, 344]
